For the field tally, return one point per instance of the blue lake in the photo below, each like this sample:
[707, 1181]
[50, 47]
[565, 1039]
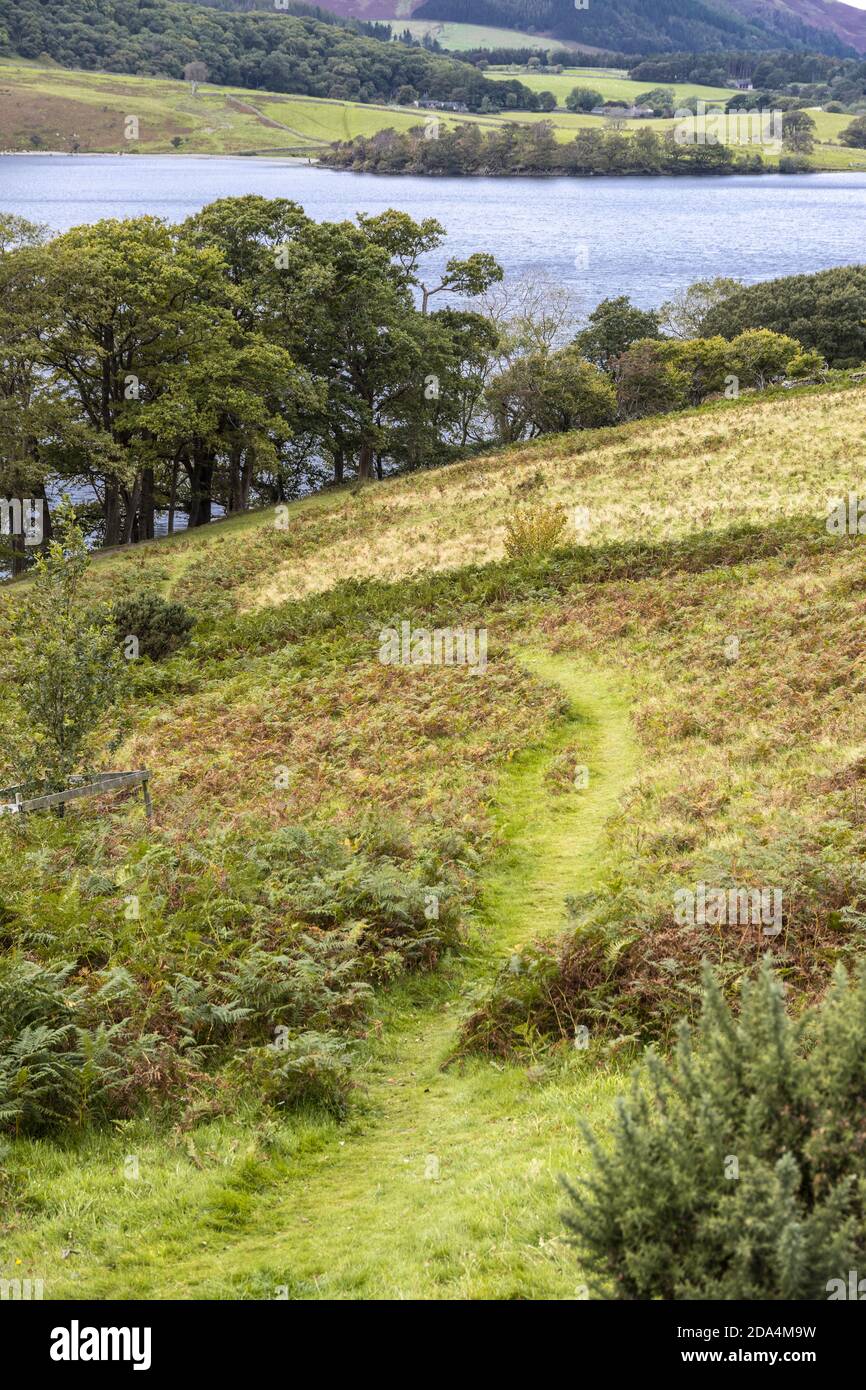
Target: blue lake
[642, 237]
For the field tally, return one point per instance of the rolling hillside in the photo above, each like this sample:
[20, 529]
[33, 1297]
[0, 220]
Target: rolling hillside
[614, 654]
[48, 108]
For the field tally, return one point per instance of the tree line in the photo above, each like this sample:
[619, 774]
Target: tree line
[243, 356]
[533, 149]
[821, 75]
[370, 28]
[250, 355]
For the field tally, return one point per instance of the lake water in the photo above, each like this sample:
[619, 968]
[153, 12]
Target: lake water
[642, 237]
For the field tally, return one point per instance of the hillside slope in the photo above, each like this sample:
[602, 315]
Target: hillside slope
[846, 21]
[665, 26]
[258, 50]
[705, 761]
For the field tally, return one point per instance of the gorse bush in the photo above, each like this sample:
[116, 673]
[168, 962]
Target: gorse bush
[737, 1171]
[160, 627]
[534, 531]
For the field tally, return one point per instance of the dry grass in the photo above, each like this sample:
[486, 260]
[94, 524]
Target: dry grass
[706, 469]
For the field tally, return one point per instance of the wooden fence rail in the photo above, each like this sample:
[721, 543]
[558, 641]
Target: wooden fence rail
[101, 783]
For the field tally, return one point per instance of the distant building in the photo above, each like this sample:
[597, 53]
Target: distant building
[624, 113]
[440, 105]
[742, 84]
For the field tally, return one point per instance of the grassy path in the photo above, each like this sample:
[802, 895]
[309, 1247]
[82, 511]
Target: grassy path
[445, 1184]
[448, 1187]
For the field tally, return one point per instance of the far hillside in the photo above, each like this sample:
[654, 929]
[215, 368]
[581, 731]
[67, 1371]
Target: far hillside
[266, 50]
[663, 26]
[47, 108]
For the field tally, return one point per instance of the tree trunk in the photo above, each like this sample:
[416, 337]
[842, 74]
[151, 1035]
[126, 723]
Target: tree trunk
[247, 479]
[365, 463]
[18, 553]
[234, 488]
[148, 528]
[112, 512]
[133, 501]
[47, 527]
[172, 500]
[201, 482]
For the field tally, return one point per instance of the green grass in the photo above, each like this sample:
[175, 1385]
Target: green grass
[63, 107]
[324, 121]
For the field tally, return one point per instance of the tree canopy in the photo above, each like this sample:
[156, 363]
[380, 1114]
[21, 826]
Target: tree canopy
[826, 311]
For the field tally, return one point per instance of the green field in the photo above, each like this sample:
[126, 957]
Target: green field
[611, 86]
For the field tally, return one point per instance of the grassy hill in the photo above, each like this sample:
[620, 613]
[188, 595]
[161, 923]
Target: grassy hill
[58, 109]
[614, 654]
[50, 108]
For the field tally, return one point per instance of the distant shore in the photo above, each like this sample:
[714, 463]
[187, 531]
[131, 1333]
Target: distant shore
[303, 161]
[155, 154]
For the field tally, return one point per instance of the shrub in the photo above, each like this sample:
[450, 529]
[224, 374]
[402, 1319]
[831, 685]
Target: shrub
[160, 627]
[533, 531]
[550, 392]
[308, 1069]
[737, 1170]
[806, 364]
[251, 944]
[794, 164]
[64, 672]
[854, 135]
[826, 311]
[398, 916]
[613, 326]
[647, 383]
[583, 99]
[267, 992]
[759, 356]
